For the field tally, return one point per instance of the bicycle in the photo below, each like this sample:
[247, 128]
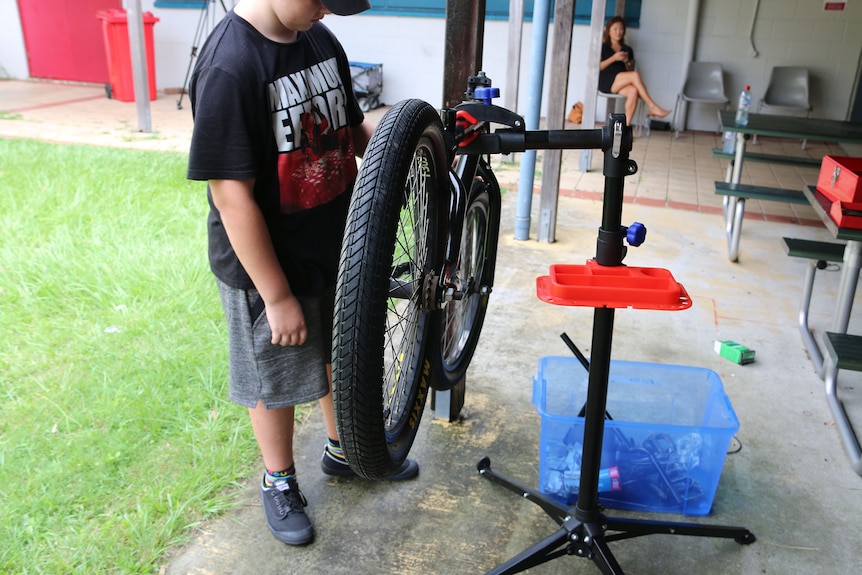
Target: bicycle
[418, 261]
[416, 270]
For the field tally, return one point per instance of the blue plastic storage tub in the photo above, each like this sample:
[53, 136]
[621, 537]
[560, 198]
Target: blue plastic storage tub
[663, 448]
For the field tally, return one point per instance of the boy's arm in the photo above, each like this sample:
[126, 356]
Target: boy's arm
[248, 235]
[361, 135]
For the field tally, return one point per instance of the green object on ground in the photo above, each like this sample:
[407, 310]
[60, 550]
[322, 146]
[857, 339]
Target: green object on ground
[735, 352]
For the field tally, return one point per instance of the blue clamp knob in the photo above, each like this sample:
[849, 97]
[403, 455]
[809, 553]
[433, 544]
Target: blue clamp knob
[486, 94]
[636, 234]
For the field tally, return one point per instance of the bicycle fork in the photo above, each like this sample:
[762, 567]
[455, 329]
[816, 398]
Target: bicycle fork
[452, 285]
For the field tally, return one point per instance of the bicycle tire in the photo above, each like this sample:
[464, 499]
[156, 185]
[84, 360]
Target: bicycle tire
[461, 320]
[384, 321]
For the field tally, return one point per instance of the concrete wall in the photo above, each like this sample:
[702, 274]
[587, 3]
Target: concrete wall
[785, 32]
[175, 34]
[13, 55]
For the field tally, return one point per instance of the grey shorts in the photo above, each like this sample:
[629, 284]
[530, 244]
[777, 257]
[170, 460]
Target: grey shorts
[278, 376]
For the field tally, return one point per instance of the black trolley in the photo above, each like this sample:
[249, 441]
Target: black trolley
[367, 82]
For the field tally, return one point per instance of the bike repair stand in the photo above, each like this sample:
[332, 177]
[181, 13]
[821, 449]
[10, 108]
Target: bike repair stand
[584, 530]
[203, 30]
[447, 404]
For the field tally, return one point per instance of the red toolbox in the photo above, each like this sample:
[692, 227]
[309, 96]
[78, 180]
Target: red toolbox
[840, 178]
[847, 214]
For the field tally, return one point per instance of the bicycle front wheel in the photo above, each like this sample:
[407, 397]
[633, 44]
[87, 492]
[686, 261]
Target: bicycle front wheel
[385, 313]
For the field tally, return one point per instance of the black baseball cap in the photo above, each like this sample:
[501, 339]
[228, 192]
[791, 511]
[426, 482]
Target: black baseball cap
[346, 7]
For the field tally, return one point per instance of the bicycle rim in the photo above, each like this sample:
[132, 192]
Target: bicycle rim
[462, 319]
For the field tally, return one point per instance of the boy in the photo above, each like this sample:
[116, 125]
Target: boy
[276, 132]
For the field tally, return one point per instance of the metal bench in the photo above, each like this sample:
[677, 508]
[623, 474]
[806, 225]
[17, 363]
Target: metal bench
[845, 352]
[734, 207]
[799, 161]
[819, 254]
[770, 158]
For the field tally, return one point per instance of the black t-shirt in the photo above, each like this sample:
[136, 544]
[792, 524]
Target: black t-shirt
[280, 114]
[606, 76]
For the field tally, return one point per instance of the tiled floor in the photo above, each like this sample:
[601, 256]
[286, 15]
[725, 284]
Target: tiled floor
[679, 172]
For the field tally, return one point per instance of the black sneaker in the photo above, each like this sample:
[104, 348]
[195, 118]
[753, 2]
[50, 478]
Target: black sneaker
[337, 467]
[284, 508]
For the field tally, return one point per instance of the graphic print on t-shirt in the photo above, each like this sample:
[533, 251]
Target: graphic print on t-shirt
[315, 151]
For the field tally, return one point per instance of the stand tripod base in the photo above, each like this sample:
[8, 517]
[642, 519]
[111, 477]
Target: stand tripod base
[586, 534]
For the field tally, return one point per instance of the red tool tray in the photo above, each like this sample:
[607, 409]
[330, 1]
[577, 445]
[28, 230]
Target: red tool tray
[593, 285]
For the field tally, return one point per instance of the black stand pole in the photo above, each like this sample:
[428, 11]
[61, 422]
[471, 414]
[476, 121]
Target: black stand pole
[200, 36]
[585, 531]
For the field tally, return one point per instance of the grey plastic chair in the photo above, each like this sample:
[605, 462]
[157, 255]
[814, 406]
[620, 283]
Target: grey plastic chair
[704, 84]
[787, 92]
[639, 117]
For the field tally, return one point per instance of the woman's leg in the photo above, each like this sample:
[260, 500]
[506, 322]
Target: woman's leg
[631, 94]
[633, 79]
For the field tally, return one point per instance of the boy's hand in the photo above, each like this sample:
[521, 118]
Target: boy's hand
[246, 229]
[286, 321]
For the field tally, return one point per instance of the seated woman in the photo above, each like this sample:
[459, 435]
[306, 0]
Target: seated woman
[617, 74]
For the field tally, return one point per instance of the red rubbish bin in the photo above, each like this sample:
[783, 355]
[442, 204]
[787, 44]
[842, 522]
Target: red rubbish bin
[115, 28]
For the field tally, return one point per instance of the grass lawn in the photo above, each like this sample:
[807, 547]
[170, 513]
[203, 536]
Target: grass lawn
[116, 435]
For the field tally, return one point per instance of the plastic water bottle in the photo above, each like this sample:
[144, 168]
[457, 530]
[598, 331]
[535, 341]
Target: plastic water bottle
[744, 105]
[729, 143]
